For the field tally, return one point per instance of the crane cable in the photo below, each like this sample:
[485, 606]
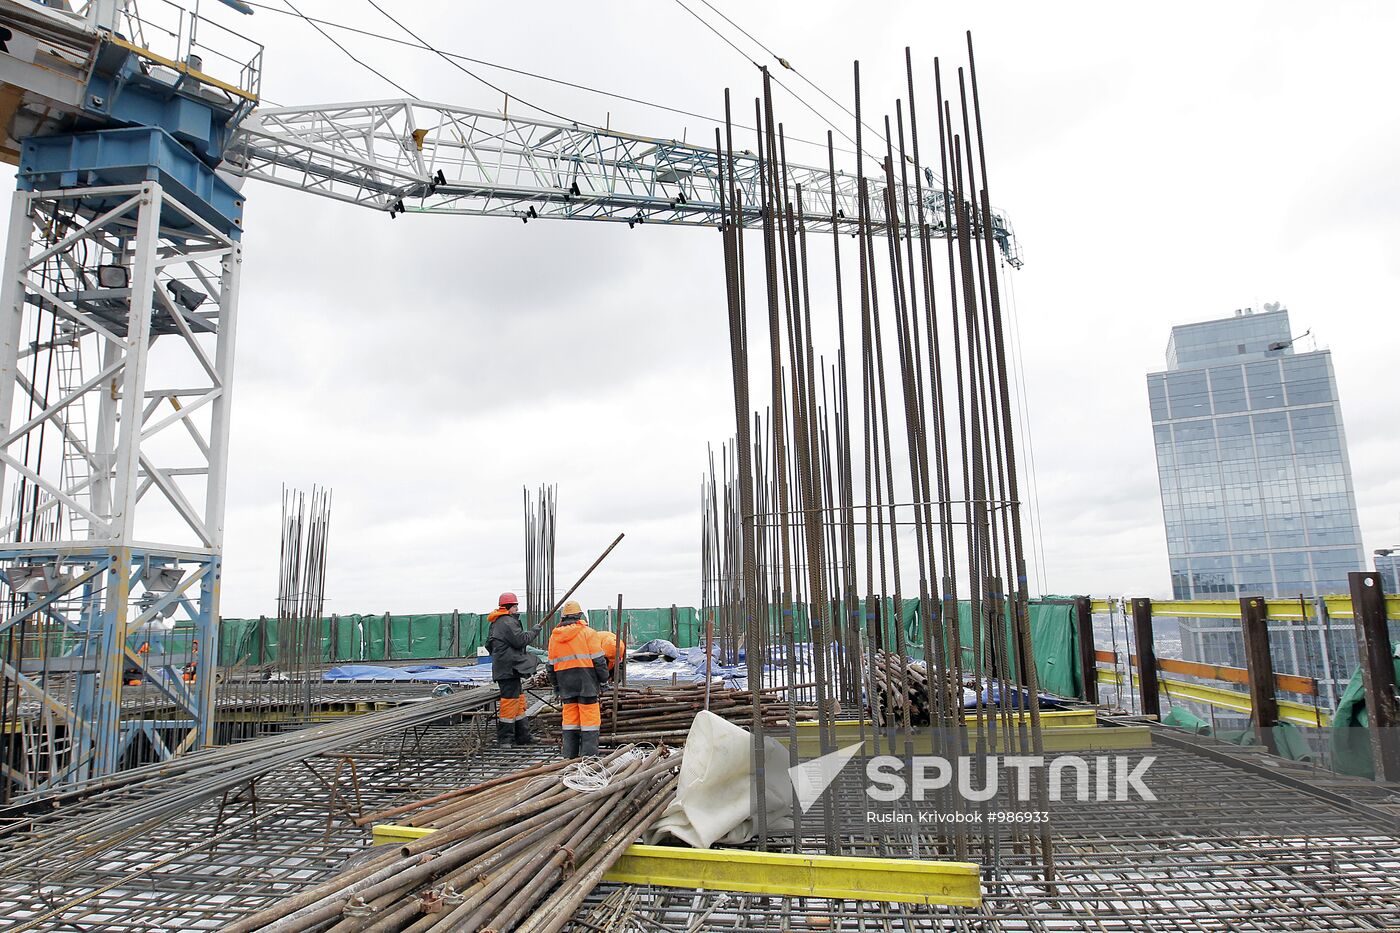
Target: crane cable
[787, 65]
[480, 61]
[351, 55]
[467, 71]
[791, 67]
[709, 118]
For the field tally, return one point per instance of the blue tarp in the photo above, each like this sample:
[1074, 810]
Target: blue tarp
[688, 667]
[421, 673]
[1019, 697]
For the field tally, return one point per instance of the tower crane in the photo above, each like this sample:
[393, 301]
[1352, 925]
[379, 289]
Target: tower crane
[132, 135]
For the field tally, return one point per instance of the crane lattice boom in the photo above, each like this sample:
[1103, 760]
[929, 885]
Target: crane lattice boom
[417, 156]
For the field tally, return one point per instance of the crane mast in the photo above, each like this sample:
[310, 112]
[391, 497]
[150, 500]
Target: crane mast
[132, 139]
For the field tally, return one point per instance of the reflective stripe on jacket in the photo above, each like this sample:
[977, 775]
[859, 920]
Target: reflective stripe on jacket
[576, 663]
[573, 644]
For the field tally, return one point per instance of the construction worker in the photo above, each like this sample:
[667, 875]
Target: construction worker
[576, 670]
[188, 674]
[510, 661]
[614, 651]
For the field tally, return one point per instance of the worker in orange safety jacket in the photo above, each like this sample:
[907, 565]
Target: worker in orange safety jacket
[577, 669]
[614, 652]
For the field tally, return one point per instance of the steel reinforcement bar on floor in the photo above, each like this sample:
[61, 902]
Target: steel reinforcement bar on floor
[1227, 845]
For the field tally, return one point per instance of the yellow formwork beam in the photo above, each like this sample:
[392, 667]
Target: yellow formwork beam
[1049, 719]
[905, 881]
[1083, 738]
[1064, 738]
[391, 834]
[1299, 714]
[1338, 607]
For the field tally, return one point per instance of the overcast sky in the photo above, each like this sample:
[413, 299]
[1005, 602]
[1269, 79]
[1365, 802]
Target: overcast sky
[1161, 164]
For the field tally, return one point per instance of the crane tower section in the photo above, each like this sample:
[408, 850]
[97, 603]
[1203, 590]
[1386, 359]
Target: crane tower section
[118, 309]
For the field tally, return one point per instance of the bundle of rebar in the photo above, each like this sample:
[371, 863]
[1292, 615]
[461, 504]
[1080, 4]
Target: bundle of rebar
[660, 713]
[301, 598]
[520, 852]
[721, 558]
[826, 488]
[539, 553]
[904, 688]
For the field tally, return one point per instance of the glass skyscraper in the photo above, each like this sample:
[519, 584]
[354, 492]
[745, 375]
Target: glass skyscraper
[1388, 566]
[1252, 461]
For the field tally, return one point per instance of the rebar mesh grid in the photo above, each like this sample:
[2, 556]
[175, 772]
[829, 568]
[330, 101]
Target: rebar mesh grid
[1225, 847]
[223, 860]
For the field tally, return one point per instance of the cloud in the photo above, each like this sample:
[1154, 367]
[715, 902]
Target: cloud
[428, 368]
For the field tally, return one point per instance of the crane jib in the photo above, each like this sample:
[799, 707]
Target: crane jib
[422, 157]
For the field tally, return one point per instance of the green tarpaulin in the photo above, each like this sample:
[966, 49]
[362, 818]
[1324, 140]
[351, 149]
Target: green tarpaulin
[1288, 738]
[1350, 738]
[356, 637]
[644, 625]
[1182, 718]
[388, 637]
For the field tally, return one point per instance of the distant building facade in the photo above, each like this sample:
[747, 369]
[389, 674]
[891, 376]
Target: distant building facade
[1256, 484]
[1388, 566]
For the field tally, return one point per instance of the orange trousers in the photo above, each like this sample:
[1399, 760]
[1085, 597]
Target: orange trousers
[510, 709]
[583, 717]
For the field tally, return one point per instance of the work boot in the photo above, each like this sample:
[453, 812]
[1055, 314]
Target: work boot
[505, 731]
[588, 743]
[570, 743]
[522, 732]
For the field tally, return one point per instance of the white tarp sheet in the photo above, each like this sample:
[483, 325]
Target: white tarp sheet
[714, 797]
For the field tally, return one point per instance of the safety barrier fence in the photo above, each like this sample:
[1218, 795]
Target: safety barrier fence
[1363, 721]
[1069, 659]
[423, 636]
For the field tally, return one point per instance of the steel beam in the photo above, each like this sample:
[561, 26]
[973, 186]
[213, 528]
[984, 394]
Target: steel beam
[1297, 713]
[1255, 622]
[1377, 659]
[1338, 607]
[1084, 628]
[1147, 658]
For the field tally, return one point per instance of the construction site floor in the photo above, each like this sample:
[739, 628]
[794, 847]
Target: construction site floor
[1234, 842]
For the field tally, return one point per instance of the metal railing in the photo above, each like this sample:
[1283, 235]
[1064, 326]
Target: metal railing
[175, 35]
[1146, 678]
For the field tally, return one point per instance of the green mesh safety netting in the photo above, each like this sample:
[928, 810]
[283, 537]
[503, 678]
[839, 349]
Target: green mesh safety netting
[1054, 641]
[389, 637]
[1291, 743]
[244, 642]
[1288, 740]
[643, 625]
